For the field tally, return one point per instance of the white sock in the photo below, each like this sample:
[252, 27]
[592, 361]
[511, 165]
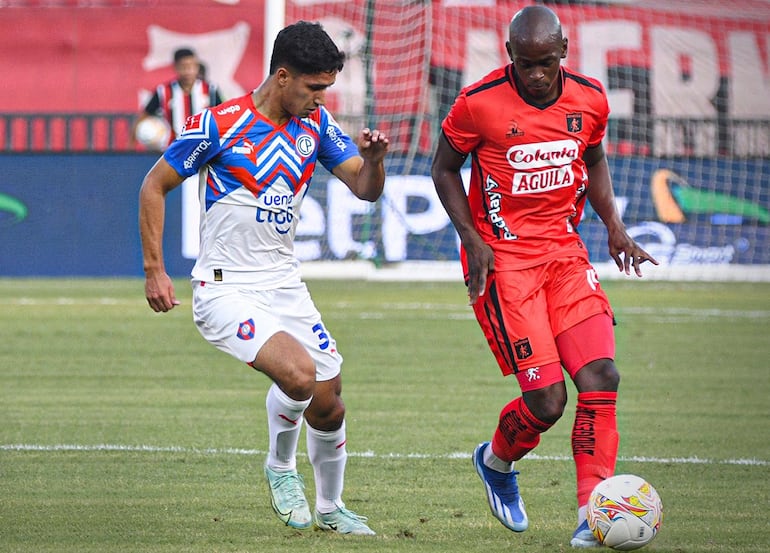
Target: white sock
[582, 514]
[494, 462]
[284, 422]
[327, 454]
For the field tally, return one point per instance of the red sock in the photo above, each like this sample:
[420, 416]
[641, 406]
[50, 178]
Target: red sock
[518, 431]
[594, 440]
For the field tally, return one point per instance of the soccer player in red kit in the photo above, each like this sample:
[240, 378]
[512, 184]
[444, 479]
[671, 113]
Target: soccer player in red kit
[534, 132]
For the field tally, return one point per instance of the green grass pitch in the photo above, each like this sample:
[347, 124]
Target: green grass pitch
[122, 430]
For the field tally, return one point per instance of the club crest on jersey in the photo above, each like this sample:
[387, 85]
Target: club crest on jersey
[523, 348]
[246, 330]
[305, 145]
[574, 122]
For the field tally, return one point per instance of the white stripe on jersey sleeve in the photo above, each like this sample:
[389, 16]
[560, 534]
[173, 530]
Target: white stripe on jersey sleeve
[236, 127]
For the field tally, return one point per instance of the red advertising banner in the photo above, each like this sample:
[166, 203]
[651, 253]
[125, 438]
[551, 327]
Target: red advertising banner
[683, 77]
[108, 59]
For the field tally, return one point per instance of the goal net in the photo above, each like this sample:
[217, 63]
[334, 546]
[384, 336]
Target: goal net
[688, 139]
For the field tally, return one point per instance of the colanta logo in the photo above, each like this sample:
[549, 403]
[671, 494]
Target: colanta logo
[12, 208]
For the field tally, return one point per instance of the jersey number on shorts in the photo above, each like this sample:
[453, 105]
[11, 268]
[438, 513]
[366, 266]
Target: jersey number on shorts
[323, 338]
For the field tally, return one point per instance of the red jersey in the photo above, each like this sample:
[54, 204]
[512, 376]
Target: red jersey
[528, 179]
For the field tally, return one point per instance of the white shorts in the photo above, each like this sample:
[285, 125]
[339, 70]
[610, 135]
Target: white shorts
[239, 321]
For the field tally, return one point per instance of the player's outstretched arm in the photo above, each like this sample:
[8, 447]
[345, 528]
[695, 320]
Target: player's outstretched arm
[622, 248]
[365, 175]
[159, 181]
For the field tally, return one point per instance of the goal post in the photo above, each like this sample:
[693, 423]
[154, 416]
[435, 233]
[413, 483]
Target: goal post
[275, 20]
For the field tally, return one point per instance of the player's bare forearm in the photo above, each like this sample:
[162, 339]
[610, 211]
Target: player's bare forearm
[373, 146]
[370, 181]
[600, 192]
[158, 182]
[159, 289]
[451, 193]
[622, 248]
[151, 222]
[445, 172]
[479, 256]
[364, 175]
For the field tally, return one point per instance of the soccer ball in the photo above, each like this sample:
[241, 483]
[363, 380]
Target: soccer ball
[153, 133]
[624, 512]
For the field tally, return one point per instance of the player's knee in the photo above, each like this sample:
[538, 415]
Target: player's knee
[326, 416]
[333, 419]
[298, 381]
[599, 375]
[549, 411]
[547, 404]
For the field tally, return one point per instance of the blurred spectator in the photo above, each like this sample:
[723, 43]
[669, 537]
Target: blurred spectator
[188, 93]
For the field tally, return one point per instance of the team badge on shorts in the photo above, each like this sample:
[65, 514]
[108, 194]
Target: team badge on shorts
[523, 348]
[246, 330]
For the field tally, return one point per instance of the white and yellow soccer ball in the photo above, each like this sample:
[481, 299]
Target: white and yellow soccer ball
[624, 512]
[153, 133]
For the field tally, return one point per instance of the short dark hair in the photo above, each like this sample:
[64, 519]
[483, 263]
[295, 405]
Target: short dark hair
[305, 47]
[182, 53]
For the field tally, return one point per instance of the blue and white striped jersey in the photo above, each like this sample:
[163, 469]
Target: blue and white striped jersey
[253, 178]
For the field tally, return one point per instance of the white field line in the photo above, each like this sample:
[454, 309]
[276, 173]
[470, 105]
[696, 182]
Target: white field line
[68, 301]
[451, 309]
[362, 454]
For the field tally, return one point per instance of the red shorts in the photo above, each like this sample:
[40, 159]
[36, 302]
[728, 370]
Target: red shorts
[525, 316]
